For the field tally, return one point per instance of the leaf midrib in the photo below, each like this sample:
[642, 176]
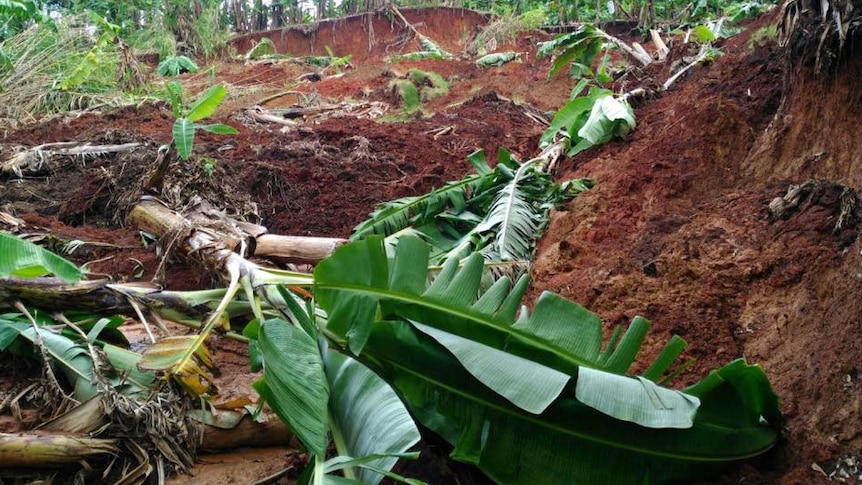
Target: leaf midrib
[587, 437]
[478, 318]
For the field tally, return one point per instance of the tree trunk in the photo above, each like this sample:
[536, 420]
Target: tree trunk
[321, 9]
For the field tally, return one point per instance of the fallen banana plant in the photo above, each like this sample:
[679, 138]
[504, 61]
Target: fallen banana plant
[534, 398]
[110, 407]
[499, 212]
[497, 59]
[49, 157]
[47, 450]
[589, 121]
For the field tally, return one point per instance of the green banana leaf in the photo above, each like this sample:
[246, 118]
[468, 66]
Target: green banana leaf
[367, 417]
[515, 217]
[74, 358]
[497, 59]
[535, 399]
[25, 259]
[294, 383]
[391, 217]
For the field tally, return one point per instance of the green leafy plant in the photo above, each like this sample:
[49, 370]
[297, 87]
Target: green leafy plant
[762, 36]
[430, 51]
[208, 165]
[703, 34]
[61, 66]
[430, 84]
[417, 87]
[329, 61]
[176, 65]
[738, 11]
[590, 120]
[497, 59]
[25, 259]
[409, 94]
[499, 212]
[95, 65]
[321, 393]
[264, 47]
[186, 122]
[17, 15]
[576, 49]
[534, 398]
[506, 29]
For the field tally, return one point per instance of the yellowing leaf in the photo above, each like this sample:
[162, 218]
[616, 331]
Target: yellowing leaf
[165, 354]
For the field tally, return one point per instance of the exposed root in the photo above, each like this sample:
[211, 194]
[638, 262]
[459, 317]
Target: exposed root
[50, 157]
[819, 192]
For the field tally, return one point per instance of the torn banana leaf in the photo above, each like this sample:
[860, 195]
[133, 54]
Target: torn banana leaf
[534, 398]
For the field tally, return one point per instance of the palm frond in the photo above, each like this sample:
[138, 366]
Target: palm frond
[391, 217]
[516, 216]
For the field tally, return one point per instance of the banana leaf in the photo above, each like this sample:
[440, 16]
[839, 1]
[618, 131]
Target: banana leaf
[367, 417]
[534, 399]
[25, 259]
[390, 217]
[517, 215]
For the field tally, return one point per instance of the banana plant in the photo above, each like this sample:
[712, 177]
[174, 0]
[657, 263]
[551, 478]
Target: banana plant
[320, 393]
[186, 120]
[500, 212]
[535, 397]
[589, 121]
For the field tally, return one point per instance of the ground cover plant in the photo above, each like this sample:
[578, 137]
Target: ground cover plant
[392, 254]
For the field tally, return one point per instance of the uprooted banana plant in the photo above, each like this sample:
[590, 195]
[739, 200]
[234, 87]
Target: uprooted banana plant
[533, 399]
[500, 212]
[110, 408]
[116, 405]
[528, 399]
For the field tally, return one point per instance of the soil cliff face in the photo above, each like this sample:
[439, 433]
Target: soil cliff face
[373, 35]
[678, 229]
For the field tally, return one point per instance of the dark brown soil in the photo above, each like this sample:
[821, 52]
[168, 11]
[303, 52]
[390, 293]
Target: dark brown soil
[677, 228]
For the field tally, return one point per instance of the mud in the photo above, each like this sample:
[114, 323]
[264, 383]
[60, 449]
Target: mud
[677, 228]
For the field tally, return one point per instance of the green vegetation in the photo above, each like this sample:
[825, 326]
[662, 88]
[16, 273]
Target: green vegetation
[544, 376]
[18, 15]
[263, 48]
[208, 165]
[418, 320]
[416, 88]
[176, 65]
[408, 93]
[764, 35]
[506, 29]
[58, 67]
[590, 120]
[186, 124]
[497, 59]
[430, 84]
[498, 212]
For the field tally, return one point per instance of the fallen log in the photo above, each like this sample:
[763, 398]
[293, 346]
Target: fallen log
[50, 450]
[151, 215]
[41, 159]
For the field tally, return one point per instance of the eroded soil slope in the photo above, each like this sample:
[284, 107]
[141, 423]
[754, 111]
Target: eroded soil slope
[677, 228]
